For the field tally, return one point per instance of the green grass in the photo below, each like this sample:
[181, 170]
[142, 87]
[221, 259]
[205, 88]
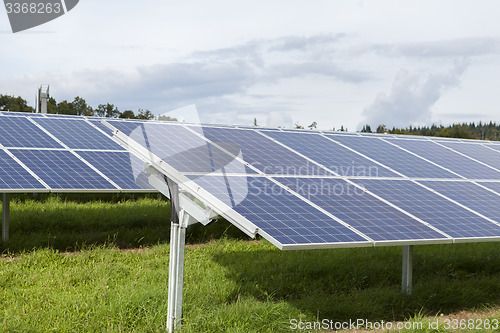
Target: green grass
[231, 284]
[69, 222]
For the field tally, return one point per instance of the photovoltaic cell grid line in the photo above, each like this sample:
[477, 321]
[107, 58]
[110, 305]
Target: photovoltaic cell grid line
[19, 132]
[61, 169]
[450, 160]
[332, 155]
[493, 186]
[264, 154]
[78, 134]
[393, 157]
[181, 148]
[119, 167]
[285, 217]
[495, 147]
[361, 210]
[14, 177]
[101, 126]
[432, 208]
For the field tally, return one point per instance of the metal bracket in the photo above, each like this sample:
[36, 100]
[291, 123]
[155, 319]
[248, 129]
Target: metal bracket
[197, 210]
[194, 209]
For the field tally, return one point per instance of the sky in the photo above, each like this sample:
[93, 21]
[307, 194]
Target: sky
[336, 63]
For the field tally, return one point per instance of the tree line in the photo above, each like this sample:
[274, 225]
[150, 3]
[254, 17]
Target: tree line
[479, 131]
[77, 107]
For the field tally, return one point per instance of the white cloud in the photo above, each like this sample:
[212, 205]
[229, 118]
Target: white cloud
[321, 62]
[209, 79]
[411, 98]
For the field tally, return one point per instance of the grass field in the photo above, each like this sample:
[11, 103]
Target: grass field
[101, 264]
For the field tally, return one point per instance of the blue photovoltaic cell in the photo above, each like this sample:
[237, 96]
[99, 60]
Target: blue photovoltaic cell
[78, 134]
[471, 196]
[332, 155]
[14, 177]
[361, 210]
[121, 167]
[20, 132]
[263, 153]
[61, 169]
[283, 216]
[393, 157]
[476, 151]
[446, 158]
[431, 208]
[181, 148]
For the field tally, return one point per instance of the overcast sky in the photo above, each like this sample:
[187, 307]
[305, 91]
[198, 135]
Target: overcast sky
[337, 63]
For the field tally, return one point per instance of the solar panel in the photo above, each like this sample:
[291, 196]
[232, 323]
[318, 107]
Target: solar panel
[281, 215]
[61, 169]
[20, 132]
[14, 177]
[393, 157]
[439, 212]
[460, 164]
[340, 160]
[123, 168]
[262, 153]
[383, 218]
[362, 211]
[78, 134]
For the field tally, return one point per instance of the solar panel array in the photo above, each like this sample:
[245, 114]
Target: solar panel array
[311, 189]
[299, 188]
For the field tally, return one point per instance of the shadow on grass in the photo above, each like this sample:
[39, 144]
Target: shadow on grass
[343, 284]
[70, 223]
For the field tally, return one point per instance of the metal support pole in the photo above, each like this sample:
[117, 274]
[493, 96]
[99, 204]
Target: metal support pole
[5, 217]
[176, 265]
[407, 269]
